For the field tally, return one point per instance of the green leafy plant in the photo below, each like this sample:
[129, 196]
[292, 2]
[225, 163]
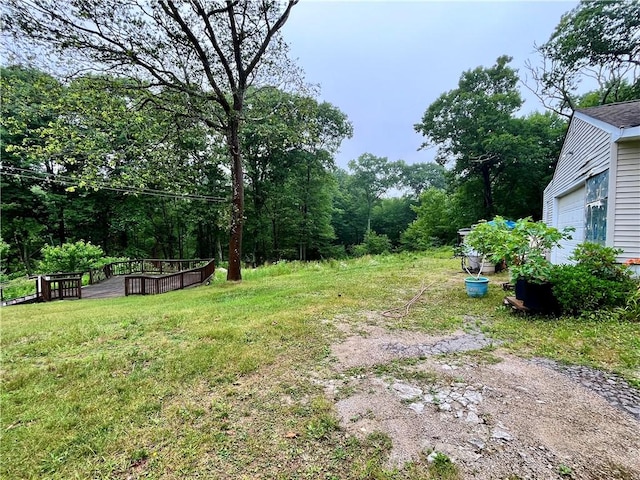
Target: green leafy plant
[564, 470]
[70, 257]
[578, 290]
[484, 240]
[522, 246]
[595, 282]
[601, 261]
[526, 248]
[442, 467]
[373, 244]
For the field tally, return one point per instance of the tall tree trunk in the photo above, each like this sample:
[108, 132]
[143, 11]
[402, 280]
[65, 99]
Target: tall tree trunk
[488, 195]
[62, 237]
[237, 201]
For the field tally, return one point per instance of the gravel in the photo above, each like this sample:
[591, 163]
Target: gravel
[528, 419]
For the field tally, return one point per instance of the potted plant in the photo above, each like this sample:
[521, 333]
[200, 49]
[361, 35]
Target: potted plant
[481, 243]
[525, 251]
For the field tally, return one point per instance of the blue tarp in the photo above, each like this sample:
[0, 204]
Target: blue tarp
[509, 223]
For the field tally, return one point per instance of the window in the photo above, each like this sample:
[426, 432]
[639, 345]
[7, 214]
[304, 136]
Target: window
[596, 212]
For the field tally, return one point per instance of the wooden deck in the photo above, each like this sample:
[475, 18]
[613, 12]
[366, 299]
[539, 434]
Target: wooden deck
[110, 288]
[119, 279]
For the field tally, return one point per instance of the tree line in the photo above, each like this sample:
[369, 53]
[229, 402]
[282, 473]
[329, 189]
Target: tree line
[170, 149]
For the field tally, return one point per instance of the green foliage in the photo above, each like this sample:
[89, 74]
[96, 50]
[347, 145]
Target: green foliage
[418, 177]
[578, 290]
[434, 223]
[631, 310]
[290, 188]
[4, 250]
[443, 468]
[596, 41]
[501, 163]
[70, 257]
[18, 287]
[491, 96]
[392, 216]
[489, 239]
[373, 244]
[522, 247]
[600, 261]
[372, 177]
[595, 282]
[564, 470]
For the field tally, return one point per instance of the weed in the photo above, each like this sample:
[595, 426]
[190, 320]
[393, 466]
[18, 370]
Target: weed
[441, 467]
[564, 470]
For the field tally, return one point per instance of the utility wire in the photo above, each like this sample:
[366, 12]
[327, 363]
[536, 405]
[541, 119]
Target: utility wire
[66, 180]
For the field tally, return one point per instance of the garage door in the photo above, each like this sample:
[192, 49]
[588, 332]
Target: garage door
[570, 214]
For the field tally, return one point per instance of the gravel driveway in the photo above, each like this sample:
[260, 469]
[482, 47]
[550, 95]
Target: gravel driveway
[495, 415]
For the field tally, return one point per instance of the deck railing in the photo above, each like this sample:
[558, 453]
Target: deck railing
[60, 286]
[153, 284]
[157, 276]
[147, 265]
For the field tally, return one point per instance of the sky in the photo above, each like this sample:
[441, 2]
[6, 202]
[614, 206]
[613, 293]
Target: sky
[384, 62]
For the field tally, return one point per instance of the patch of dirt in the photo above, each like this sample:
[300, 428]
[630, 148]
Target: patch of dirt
[495, 415]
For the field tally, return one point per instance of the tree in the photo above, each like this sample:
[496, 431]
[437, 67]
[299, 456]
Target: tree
[467, 123]
[288, 156]
[29, 206]
[529, 153]
[205, 53]
[50, 131]
[349, 217]
[435, 222]
[392, 216]
[418, 177]
[372, 177]
[598, 42]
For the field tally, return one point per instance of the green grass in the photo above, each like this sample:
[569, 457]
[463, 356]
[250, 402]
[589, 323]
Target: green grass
[216, 381]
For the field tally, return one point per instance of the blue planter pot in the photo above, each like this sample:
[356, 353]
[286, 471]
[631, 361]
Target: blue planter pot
[476, 287]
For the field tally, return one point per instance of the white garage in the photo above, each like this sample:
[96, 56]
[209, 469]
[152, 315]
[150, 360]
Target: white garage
[595, 186]
[570, 214]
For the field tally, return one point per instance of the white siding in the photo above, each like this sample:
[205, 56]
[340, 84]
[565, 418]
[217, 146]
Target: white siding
[547, 206]
[570, 214]
[586, 151]
[627, 201]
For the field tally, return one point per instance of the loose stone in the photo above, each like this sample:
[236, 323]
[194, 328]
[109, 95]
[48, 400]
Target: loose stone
[500, 434]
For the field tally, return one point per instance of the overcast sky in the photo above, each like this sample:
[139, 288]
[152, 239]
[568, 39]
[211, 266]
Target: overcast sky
[383, 62]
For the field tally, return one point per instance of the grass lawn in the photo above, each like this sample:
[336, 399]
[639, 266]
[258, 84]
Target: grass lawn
[218, 381]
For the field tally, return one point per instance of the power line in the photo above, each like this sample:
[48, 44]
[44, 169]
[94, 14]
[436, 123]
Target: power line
[69, 181]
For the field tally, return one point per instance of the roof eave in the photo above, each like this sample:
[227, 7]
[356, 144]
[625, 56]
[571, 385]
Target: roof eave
[629, 134]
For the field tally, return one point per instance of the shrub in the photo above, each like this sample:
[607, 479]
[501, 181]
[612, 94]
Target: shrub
[600, 261]
[595, 282]
[373, 244]
[70, 257]
[578, 290]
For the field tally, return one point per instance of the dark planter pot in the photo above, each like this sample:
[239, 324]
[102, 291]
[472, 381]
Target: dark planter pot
[521, 289]
[537, 297]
